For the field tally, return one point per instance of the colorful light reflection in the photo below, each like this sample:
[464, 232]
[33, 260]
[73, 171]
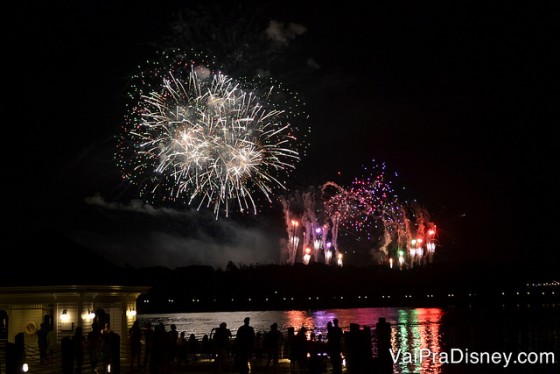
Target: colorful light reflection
[417, 329]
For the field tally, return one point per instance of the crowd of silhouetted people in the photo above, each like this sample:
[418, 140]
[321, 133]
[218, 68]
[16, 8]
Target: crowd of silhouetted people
[154, 349]
[157, 350]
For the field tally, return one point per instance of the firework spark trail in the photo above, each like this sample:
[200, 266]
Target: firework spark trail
[337, 207]
[308, 219]
[300, 215]
[286, 210]
[292, 225]
[200, 136]
[387, 238]
[286, 207]
[422, 223]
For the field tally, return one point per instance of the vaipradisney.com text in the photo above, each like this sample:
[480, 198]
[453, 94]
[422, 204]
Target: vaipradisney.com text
[464, 356]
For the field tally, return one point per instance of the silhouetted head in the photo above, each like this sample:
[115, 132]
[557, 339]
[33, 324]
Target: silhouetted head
[223, 325]
[335, 321]
[274, 326]
[246, 320]
[160, 327]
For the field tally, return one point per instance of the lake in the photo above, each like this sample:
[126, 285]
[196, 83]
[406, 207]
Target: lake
[508, 339]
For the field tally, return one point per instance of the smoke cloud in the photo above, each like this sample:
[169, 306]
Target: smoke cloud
[282, 34]
[156, 236]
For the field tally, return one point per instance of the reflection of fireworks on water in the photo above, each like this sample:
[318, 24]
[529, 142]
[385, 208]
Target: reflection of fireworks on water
[198, 135]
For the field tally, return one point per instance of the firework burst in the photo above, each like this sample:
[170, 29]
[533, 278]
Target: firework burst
[197, 135]
[369, 211]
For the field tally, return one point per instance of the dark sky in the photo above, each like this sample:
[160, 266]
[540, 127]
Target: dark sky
[461, 100]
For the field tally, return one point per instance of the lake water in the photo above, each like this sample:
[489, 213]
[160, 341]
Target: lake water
[427, 340]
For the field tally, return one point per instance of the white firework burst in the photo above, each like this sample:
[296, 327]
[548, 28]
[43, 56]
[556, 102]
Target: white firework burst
[204, 138]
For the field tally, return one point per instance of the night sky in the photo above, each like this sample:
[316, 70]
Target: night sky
[460, 100]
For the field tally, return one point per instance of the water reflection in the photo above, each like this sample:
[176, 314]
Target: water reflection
[417, 331]
[413, 329]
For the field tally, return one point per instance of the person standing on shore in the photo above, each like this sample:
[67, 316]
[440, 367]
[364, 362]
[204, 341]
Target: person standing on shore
[182, 350]
[334, 345]
[273, 342]
[299, 348]
[94, 345]
[135, 341]
[245, 343]
[148, 334]
[222, 336]
[383, 335]
[78, 348]
[43, 342]
[173, 337]
[108, 348]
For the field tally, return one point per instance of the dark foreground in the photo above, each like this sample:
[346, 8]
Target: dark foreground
[201, 365]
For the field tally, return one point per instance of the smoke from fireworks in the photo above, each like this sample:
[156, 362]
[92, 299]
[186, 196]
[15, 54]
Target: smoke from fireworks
[246, 39]
[197, 135]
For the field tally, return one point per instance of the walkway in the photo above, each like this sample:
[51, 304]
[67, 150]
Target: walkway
[199, 366]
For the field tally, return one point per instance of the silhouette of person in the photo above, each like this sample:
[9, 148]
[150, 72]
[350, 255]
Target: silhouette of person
[205, 345]
[334, 346]
[135, 341]
[245, 344]
[108, 347]
[222, 336]
[42, 342]
[316, 365]
[94, 344]
[193, 346]
[159, 362]
[148, 342]
[383, 334]
[78, 344]
[299, 348]
[173, 337]
[51, 345]
[182, 349]
[272, 343]
[291, 345]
